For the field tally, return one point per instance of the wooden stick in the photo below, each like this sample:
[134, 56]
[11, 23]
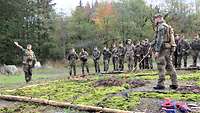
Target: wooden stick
[61, 104]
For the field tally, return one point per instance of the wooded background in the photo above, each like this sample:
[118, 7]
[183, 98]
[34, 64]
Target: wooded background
[53, 33]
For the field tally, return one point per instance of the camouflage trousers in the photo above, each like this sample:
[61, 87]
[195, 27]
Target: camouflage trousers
[195, 54]
[137, 59]
[184, 57]
[115, 61]
[121, 63]
[28, 72]
[164, 62]
[106, 64]
[97, 67]
[83, 66]
[130, 62]
[72, 68]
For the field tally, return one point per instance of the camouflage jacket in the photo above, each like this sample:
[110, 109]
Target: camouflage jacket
[159, 37]
[183, 47]
[137, 52]
[121, 52]
[72, 57]
[28, 57]
[96, 54]
[115, 52]
[106, 54]
[195, 44]
[129, 50]
[84, 56]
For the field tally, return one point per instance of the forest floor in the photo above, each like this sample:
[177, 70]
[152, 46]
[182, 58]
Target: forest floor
[125, 91]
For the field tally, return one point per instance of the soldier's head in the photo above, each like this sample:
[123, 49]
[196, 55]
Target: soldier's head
[29, 46]
[72, 50]
[146, 41]
[177, 36]
[129, 41]
[114, 45]
[121, 44]
[95, 48]
[158, 18]
[104, 48]
[82, 49]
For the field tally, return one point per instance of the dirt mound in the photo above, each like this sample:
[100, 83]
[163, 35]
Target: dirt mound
[189, 89]
[109, 82]
[137, 83]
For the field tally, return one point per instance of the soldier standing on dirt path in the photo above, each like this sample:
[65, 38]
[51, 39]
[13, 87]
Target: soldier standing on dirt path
[183, 48]
[137, 53]
[84, 58]
[175, 55]
[106, 58]
[164, 46]
[29, 60]
[115, 58]
[96, 57]
[195, 50]
[130, 54]
[72, 58]
[121, 51]
[147, 60]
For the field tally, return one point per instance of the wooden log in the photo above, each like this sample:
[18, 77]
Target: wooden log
[61, 104]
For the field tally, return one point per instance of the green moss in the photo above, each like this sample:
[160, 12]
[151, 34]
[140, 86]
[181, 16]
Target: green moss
[118, 102]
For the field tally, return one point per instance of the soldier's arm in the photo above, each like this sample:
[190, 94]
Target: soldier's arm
[160, 38]
[17, 44]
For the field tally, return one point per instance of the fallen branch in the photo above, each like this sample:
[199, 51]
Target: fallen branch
[61, 104]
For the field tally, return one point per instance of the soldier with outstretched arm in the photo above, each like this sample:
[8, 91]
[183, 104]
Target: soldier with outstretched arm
[29, 61]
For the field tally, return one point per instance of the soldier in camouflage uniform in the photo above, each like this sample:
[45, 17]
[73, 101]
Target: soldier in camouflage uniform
[175, 55]
[106, 58]
[164, 46]
[182, 51]
[121, 53]
[72, 58]
[84, 58]
[115, 58]
[137, 55]
[29, 61]
[96, 57]
[147, 60]
[130, 54]
[195, 50]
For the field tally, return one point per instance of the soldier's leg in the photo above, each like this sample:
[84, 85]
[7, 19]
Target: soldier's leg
[74, 67]
[179, 62]
[87, 68]
[131, 63]
[25, 69]
[161, 64]
[135, 62]
[151, 62]
[95, 65]
[82, 66]
[185, 60]
[171, 69]
[30, 73]
[70, 69]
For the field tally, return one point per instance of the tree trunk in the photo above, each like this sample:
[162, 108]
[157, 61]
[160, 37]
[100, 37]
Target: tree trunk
[61, 104]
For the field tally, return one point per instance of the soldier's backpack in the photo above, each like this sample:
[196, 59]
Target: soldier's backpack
[169, 41]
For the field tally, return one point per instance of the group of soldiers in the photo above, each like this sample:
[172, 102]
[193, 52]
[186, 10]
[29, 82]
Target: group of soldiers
[135, 54]
[184, 49]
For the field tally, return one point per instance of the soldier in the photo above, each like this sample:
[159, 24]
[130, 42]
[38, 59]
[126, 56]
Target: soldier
[182, 51]
[121, 53]
[96, 57]
[130, 54]
[142, 54]
[72, 58]
[164, 46]
[195, 49]
[106, 58]
[84, 57]
[29, 61]
[175, 55]
[137, 55]
[115, 58]
[147, 60]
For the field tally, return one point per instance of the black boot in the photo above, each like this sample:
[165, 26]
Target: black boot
[173, 87]
[159, 87]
